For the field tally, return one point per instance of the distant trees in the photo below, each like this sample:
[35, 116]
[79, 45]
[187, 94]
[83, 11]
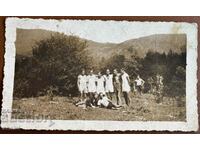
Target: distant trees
[132, 64]
[55, 64]
[177, 86]
[171, 66]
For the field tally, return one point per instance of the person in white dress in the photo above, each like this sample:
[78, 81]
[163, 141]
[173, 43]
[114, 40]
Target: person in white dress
[125, 86]
[91, 83]
[82, 85]
[109, 89]
[100, 80]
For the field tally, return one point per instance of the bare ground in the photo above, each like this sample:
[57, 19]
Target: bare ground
[142, 108]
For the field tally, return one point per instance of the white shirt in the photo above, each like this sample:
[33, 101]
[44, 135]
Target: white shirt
[104, 102]
[139, 82]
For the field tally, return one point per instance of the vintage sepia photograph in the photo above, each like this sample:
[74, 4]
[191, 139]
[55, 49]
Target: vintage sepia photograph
[100, 75]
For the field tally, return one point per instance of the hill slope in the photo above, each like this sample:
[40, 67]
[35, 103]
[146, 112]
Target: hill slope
[155, 43]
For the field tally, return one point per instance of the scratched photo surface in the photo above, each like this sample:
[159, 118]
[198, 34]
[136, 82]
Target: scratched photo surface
[100, 71]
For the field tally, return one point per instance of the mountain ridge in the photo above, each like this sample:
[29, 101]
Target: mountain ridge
[161, 43]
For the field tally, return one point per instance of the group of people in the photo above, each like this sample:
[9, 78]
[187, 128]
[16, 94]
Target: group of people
[156, 84]
[98, 100]
[98, 90]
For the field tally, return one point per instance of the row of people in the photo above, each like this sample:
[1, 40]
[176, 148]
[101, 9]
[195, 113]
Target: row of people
[105, 84]
[116, 83]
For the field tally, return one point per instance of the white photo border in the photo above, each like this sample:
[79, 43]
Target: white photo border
[191, 124]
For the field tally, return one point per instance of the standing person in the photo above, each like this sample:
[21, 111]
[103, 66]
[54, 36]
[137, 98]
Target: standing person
[117, 85]
[159, 82]
[159, 88]
[82, 85]
[139, 84]
[100, 83]
[125, 86]
[109, 89]
[150, 83]
[91, 83]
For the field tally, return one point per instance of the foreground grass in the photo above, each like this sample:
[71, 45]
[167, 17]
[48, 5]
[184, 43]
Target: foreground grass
[142, 108]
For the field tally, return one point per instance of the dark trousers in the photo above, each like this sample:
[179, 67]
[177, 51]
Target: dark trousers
[91, 95]
[127, 98]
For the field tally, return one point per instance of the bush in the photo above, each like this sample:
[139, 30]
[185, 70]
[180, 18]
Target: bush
[56, 62]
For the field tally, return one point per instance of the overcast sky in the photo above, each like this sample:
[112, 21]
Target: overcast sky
[104, 31]
[116, 32]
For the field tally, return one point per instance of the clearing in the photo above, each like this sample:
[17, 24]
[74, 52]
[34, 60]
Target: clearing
[142, 108]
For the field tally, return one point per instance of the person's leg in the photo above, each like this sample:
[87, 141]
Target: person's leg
[84, 95]
[118, 97]
[137, 91]
[151, 90]
[80, 103]
[111, 95]
[90, 95]
[108, 94]
[140, 90]
[126, 97]
[112, 106]
[81, 96]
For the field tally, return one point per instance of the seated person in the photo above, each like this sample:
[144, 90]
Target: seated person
[88, 102]
[106, 103]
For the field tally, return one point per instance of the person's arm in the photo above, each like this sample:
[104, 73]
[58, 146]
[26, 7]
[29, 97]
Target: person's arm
[134, 88]
[108, 99]
[78, 81]
[99, 103]
[143, 82]
[92, 105]
[128, 79]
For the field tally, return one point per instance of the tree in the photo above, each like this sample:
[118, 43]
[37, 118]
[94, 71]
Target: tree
[115, 62]
[56, 62]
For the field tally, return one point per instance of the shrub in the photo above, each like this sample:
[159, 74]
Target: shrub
[56, 62]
